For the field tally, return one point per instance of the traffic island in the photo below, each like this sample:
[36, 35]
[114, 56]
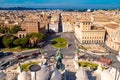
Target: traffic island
[59, 43]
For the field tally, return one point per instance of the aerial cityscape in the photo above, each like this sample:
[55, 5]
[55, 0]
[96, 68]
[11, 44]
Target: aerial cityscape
[59, 40]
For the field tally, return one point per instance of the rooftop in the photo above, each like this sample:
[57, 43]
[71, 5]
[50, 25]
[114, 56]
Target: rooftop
[112, 26]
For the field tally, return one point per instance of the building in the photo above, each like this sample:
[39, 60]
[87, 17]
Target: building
[68, 22]
[21, 34]
[30, 27]
[88, 33]
[53, 23]
[113, 36]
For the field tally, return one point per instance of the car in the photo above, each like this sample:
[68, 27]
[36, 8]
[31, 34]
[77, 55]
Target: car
[34, 55]
[105, 60]
[8, 53]
[2, 54]
[5, 65]
[21, 56]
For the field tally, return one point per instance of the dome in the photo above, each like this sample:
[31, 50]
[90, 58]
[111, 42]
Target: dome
[88, 10]
[56, 75]
[42, 74]
[2, 75]
[23, 76]
[81, 74]
[106, 75]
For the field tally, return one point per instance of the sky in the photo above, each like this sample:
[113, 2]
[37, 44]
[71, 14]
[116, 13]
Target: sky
[61, 3]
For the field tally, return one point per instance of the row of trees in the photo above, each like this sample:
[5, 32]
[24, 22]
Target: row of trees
[13, 30]
[31, 39]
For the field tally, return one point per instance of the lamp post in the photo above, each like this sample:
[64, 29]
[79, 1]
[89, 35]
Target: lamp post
[34, 68]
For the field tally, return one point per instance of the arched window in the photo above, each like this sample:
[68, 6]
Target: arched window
[20, 36]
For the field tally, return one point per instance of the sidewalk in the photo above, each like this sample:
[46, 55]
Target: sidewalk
[28, 50]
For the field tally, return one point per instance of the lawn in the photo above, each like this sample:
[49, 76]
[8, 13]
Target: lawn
[25, 66]
[88, 64]
[59, 42]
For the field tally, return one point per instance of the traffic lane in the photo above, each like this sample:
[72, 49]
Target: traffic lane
[14, 61]
[115, 62]
[28, 52]
[7, 57]
[13, 56]
[50, 53]
[8, 63]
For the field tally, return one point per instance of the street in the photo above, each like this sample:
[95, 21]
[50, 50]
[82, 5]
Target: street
[68, 53]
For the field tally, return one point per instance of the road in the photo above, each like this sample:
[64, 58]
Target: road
[67, 52]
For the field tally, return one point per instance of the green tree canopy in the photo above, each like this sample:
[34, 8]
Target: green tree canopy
[39, 36]
[24, 41]
[17, 42]
[21, 41]
[15, 29]
[8, 40]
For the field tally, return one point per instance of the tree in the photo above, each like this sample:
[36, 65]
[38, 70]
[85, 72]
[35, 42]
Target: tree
[36, 37]
[8, 40]
[15, 29]
[21, 42]
[39, 36]
[24, 41]
[17, 42]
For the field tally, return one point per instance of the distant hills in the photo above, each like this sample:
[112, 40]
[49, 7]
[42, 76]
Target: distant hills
[64, 9]
[20, 8]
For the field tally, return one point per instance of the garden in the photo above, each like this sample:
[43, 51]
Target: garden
[12, 43]
[88, 65]
[59, 43]
[25, 66]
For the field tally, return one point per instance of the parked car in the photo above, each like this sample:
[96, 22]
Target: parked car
[8, 53]
[21, 56]
[35, 54]
[105, 60]
[2, 54]
[5, 65]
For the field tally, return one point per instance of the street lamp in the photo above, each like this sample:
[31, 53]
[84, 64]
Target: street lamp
[34, 68]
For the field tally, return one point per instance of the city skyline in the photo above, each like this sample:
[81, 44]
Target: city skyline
[61, 3]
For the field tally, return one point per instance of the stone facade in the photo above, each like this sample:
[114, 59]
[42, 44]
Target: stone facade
[30, 27]
[113, 37]
[88, 34]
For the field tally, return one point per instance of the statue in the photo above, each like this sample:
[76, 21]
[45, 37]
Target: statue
[77, 54]
[41, 51]
[59, 59]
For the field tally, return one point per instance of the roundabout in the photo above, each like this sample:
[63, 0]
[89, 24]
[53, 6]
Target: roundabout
[59, 43]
